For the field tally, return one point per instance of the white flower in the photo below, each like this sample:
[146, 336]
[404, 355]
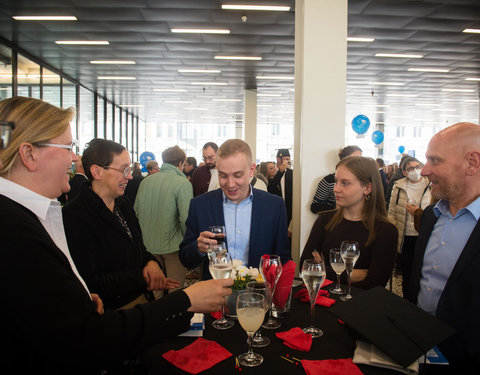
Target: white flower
[253, 272]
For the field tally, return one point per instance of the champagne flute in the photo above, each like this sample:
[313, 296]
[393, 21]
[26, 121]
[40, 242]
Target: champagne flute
[263, 288]
[251, 309]
[220, 267]
[338, 265]
[271, 269]
[219, 232]
[350, 251]
[313, 275]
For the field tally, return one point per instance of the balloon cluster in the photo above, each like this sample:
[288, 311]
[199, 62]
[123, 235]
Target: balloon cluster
[145, 157]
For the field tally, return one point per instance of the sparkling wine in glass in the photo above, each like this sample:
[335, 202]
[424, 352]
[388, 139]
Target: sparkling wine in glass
[220, 266]
[263, 288]
[251, 309]
[350, 251]
[313, 275]
[219, 232]
[271, 269]
[338, 265]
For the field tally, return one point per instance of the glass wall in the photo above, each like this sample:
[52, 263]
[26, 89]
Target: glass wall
[86, 118]
[51, 87]
[5, 72]
[28, 76]
[108, 119]
[100, 117]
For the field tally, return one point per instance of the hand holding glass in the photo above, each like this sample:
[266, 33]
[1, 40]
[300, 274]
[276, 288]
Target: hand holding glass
[313, 275]
[263, 288]
[219, 232]
[220, 267]
[251, 309]
[271, 269]
[350, 251]
[338, 265]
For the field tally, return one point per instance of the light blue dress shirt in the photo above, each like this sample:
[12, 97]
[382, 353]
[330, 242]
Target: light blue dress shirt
[238, 218]
[446, 243]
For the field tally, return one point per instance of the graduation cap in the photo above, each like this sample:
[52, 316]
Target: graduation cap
[396, 326]
[281, 152]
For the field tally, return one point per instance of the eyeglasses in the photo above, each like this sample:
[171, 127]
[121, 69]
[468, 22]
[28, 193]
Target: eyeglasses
[211, 157]
[68, 147]
[411, 169]
[6, 129]
[126, 172]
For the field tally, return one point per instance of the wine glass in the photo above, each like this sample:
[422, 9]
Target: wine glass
[251, 309]
[220, 267]
[338, 265]
[263, 288]
[313, 275]
[271, 269]
[219, 232]
[350, 251]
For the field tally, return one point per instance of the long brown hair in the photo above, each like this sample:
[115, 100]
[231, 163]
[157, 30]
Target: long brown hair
[374, 209]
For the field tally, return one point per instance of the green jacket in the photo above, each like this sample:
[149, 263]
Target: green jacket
[162, 207]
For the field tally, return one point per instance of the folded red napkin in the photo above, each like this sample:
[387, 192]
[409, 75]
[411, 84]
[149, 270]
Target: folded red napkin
[296, 339]
[331, 367]
[216, 315]
[321, 300]
[284, 284]
[269, 271]
[198, 356]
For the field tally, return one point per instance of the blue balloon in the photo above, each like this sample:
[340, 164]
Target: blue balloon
[401, 149]
[377, 137]
[360, 124]
[145, 157]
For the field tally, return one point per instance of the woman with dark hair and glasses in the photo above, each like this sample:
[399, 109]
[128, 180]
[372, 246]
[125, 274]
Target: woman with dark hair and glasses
[104, 235]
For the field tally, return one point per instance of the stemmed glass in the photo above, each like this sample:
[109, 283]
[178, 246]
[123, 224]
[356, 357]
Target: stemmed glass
[350, 251]
[263, 288]
[271, 269]
[251, 309]
[338, 265]
[220, 267]
[313, 275]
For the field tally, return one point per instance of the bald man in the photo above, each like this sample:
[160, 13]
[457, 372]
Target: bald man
[445, 279]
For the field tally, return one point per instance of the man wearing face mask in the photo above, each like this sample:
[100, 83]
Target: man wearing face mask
[413, 190]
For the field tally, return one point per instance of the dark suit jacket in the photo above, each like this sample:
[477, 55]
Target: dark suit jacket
[48, 321]
[459, 304]
[268, 228]
[274, 187]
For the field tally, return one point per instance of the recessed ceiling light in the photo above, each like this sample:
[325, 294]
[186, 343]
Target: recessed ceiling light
[269, 95]
[178, 101]
[444, 109]
[126, 78]
[379, 122]
[377, 105]
[475, 31]
[235, 113]
[354, 39]
[433, 70]
[238, 58]
[378, 112]
[427, 104]
[198, 71]
[196, 109]
[472, 79]
[276, 77]
[83, 42]
[277, 8]
[399, 116]
[403, 95]
[387, 83]
[166, 113]
[210, 117]
[201, 31]
[210, 83]
[118, 62]
[45, 18]
[458, 90]
[131, 105]
[227, 100]
[170, 90]
[264, 105]
[399, 55]
[466, 100]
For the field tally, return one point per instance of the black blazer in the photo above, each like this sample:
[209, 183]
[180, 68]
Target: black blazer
[459, 304]
[49, 323]
[109, 261]
[275, 187]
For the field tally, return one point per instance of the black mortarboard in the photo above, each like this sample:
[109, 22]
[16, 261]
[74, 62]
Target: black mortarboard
[396, 326]
[283, 152]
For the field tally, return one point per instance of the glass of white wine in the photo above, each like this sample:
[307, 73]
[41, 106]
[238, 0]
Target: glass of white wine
[350, 251]
[313, 275]
[263, 288]
[220, 267]
[338, 265]
[251, 309]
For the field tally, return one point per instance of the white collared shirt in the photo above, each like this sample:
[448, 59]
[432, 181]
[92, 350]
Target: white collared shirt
[48, 211]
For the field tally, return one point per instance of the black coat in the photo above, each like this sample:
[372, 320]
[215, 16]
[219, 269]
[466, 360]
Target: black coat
[459, 304]
[274, 187]
[49, 323]
[109, 261]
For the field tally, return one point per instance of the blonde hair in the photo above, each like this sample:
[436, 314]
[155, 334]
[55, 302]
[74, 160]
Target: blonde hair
[35, 121]
[233, 146]
[374, 209]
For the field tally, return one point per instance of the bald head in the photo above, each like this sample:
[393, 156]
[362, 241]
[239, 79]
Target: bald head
[463, 136]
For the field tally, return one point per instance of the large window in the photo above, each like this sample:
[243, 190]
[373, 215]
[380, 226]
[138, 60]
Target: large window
[28, 76]
[100, 117]
[51, 87]
[5, 73]
[109, 120]
[86, 119]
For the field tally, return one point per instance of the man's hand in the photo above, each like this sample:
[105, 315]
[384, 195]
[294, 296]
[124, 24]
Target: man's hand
[208, 296]
[411, 208]
[155, 278]
[205, 241]
[285, 164]
[98, 302]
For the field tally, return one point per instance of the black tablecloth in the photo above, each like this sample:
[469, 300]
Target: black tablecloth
[337, 342]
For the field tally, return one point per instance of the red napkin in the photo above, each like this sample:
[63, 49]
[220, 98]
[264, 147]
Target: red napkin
[269, 271]
[331, 367]
[216, 315]
[321, 300]
[198, 356]
[284, 284]
[296, 339]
